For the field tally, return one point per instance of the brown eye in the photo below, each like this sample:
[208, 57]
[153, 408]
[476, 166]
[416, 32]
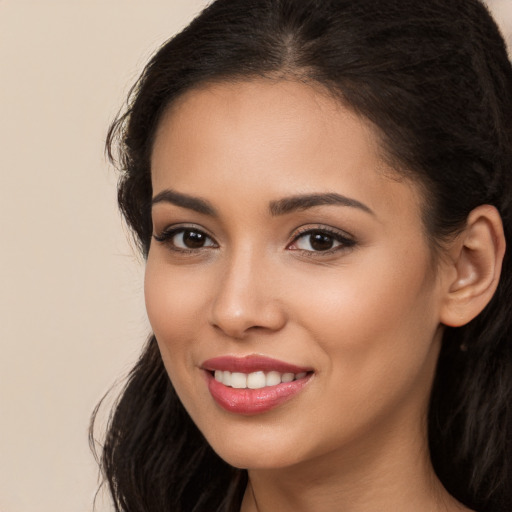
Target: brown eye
[321, 240]
[186, 239]
[192, 239]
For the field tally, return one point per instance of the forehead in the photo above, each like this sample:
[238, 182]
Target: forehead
[272, 138]
[260, 118]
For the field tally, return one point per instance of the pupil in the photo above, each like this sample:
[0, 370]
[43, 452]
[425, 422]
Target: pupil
[321, 242]
[193, 239]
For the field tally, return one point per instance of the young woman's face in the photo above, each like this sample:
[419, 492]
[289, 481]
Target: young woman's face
[289, 283]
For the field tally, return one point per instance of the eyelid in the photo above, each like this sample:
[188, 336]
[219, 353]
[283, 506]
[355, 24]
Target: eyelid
[172, 228]
[165, 236]
[345, 239]
[309, 228]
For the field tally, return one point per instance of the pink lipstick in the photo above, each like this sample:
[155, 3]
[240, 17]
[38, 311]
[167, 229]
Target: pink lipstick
[253, 384]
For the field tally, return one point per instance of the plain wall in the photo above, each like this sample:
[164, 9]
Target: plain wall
[71, 307]
[72, 317]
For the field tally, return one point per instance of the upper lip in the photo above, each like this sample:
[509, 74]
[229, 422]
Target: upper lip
[251, 363]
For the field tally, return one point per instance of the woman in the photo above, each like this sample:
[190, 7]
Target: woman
[322, 191]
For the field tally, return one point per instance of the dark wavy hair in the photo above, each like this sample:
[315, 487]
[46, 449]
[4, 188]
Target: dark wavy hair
[435, 80]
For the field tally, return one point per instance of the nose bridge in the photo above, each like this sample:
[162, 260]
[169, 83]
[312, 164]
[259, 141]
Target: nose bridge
[245, 296]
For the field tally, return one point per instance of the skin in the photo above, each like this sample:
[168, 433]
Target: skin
[366, 316]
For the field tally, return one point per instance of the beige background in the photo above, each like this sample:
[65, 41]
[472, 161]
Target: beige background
[71, 309]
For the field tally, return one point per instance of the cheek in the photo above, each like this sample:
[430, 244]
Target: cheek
[171, 293]
[372, 316]
[175, 307]
[374, 335]
[175, 303]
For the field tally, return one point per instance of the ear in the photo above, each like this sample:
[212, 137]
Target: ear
[474, 269]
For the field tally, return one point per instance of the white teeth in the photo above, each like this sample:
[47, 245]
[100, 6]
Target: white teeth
[255, 380]
[238, 380]
[273, 378]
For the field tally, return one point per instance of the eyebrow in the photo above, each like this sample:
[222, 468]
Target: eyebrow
[303, 202]
[279, 207]
[184, 201]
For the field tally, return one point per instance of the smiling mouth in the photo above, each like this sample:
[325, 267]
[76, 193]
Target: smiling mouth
[253, 384]
[269, 389]
[255, 380]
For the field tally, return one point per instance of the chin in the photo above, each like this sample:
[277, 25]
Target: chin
[256, 447]
[256, 459]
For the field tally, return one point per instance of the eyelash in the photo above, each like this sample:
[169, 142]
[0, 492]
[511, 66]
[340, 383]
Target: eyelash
[166, 237]
[345, 242]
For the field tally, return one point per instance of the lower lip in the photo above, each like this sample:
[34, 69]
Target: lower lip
[254, 401]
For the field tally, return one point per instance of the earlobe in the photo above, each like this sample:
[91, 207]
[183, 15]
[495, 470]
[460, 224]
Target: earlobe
[476, 259]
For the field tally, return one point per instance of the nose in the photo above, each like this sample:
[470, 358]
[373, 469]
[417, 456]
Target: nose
[246, 299]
